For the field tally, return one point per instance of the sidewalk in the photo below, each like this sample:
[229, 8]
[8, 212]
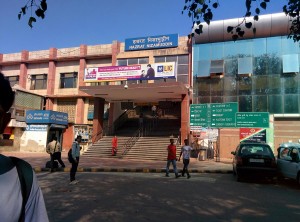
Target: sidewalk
[88, 164]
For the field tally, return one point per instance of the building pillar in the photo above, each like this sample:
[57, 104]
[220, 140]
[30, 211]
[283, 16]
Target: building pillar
[51, 78]
[115, 51]
[1, 60]
[111, 116]
[80, 111]
[98, 118]
[82, 64]
[184, 129]
[23, 69]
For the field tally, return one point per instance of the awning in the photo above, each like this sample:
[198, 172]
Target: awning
[15, 123]
[56, 126]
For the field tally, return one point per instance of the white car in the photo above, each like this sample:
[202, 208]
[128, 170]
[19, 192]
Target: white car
[288, 161]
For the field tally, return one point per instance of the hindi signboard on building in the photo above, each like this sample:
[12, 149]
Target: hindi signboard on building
[151, 42]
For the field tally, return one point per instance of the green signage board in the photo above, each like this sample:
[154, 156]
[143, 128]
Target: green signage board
[198, 116]
[252, 119]
[223, 114]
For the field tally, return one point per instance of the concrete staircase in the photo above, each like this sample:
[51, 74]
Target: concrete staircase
[102, 148]
[151, 148]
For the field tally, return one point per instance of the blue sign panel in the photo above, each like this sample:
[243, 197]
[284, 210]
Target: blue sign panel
[46, 116]
[36, 128]
[151, 42]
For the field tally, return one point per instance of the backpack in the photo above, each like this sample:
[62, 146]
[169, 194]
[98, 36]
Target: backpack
[25, 174]
[70, 157]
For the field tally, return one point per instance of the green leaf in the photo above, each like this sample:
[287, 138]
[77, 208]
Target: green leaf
[44, 5]
[263, 5]
[248, 5]
[215, 5]
[248, 14]
[193, 6]
[229, 29]
[30, 21]
[256, 17]
[19, 15]
[235, 37]
[40, 13]
[238, 29]
[248, 25]
[241, 33]
[266, 0]
[257, 10]
[24, 10]
[254, 31]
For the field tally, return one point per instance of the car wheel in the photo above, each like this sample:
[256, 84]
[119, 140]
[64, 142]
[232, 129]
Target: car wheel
[238, 177]
[234, 172]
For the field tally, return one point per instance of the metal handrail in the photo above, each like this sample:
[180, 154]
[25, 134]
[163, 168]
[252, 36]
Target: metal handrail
[130, 142]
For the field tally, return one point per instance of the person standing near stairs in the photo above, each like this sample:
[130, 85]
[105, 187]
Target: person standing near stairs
[171, 158]
[114, 145]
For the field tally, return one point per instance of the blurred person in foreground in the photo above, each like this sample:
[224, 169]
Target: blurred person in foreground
[21, 198]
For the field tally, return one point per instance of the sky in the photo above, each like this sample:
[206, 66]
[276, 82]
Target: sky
[70, 23]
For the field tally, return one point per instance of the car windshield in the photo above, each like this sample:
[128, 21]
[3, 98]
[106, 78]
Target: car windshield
[255, 149]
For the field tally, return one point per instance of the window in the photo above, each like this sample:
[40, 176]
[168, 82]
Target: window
[13, 80]
[68, 80]
[132, 61]
[38, 82]
[203, 68]
[181, 62]
[245, 65]
[217, 66]
[290, 63]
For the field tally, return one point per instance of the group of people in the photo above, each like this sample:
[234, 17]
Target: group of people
[54, 148]
[172, 158]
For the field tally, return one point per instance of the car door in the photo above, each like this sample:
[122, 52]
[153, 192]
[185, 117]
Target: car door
[293, 166]
[284, 161]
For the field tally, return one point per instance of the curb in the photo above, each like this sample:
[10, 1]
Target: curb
[128, 170]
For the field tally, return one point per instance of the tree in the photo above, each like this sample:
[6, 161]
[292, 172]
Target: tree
[38, 8]
[202, 10]
[199, 11]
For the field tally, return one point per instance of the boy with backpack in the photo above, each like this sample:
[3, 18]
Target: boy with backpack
[21, 198]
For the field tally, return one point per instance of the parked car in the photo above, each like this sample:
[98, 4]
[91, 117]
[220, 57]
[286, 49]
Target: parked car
[288, 161]
[254, 160]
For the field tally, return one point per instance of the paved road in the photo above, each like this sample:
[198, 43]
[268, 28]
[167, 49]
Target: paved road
[106, 196]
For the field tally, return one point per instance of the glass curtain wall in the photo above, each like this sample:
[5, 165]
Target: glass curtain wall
[262, 75]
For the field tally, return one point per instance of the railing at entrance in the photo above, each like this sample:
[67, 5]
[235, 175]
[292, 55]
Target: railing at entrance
[130, 142]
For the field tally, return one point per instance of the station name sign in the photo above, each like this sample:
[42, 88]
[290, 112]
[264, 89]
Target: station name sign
[151, 42]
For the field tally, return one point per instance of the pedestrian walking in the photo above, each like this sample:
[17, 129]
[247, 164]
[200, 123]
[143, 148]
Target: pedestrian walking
[171, 158]
[185, 153]
[75, 159]
[114, 146]
[21, 197]
[54, 149]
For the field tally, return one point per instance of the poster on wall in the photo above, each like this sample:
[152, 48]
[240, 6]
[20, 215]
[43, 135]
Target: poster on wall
[249, 135]
[132, 72]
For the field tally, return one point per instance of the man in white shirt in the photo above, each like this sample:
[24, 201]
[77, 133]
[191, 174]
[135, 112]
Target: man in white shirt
[14, 206]
[186, 153]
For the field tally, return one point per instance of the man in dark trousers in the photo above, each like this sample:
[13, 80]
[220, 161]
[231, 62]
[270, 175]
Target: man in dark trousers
[75, 159]
[186, 153]
[54, 149]
[171, 158]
